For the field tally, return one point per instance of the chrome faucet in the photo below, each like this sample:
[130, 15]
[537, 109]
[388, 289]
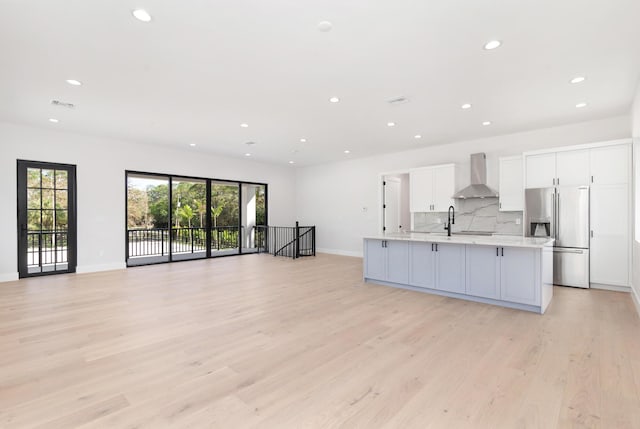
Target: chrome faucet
[451, 219]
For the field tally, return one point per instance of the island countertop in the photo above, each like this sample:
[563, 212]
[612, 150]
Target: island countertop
[480, 240]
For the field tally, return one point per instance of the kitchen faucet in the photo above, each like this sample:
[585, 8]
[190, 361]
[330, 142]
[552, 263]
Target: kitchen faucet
[451, 219]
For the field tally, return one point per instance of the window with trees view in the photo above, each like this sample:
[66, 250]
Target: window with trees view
[175, 218]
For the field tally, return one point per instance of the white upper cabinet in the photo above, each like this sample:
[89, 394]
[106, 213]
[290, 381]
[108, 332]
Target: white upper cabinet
[541, 170]
[572, 168]
[421, 189]
[605, 165]
[610, 165]
[432, 188]
[510, 188]
[444, 186]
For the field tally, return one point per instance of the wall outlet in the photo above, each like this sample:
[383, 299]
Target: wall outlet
[518, 221]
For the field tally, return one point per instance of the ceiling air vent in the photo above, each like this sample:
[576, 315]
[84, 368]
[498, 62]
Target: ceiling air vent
[398, 100]
[63, 104]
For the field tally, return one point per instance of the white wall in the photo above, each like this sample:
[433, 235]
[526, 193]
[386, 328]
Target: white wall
[342, 199]
[101, 164]
[635, 129]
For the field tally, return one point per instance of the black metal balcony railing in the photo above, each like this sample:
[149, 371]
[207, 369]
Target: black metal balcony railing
[292, 242]
[46, 248]
[155, 241]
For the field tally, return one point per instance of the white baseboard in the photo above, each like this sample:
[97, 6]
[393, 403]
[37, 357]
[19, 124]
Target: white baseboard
[610, 287]
[635, 297]
[101, 267]
[8, 277]
[340, 252]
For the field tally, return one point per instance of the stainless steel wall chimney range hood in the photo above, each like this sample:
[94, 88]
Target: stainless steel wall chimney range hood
[478, 187]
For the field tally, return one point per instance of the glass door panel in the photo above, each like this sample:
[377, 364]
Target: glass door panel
[225, 218]
[254, 216]
[147, 219]
[189, 214]
[46, 218]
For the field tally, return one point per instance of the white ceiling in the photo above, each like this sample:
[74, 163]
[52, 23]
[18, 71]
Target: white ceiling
[203, 67]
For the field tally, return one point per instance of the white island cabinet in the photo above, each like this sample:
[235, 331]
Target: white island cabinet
[513, 272]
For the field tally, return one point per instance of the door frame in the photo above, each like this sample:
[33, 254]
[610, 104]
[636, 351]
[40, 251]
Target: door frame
[72, 228]
[381, 179]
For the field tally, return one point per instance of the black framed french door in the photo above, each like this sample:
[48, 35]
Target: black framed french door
[47, 231]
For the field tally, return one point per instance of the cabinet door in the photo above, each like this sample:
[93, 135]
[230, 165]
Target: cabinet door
[541, 170]
[422, 272]
[611, 235]
[510, 188]
[450, 267]
[421, 190]
[397, 261]
[444, 186]
[610, 165]
[483, 271]
[519, 275]
[375, 260]
[572, 168]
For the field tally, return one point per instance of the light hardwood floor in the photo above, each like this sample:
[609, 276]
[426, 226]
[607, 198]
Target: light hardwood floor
[265, 342]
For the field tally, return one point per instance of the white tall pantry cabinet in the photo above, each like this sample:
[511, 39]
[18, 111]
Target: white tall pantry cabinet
[606, 169]
[610, 215]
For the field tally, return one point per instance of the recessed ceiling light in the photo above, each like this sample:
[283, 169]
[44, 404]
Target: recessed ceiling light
[303, 140]
[325, 26]
[291, 162]
[192, 144]
[581, 105]
[243, 125]
[141, 15]
[54, 120]
[74, 82]
[247, 154]
[493, 44]
[466, 106]
[417, 136]
[334, 99]
[578, 79]
[485, 123]
[347, 151]
[391, 124]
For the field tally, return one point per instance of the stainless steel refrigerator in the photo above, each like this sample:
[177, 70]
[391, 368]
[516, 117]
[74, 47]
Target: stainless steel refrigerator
[562, 213]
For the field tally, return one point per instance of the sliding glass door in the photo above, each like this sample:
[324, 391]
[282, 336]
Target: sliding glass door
[171, 218]
[189, 210]
[254, 215]
[147, 219]
[225, 218]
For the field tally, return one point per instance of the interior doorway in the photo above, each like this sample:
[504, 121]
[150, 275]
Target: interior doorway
[396, 216]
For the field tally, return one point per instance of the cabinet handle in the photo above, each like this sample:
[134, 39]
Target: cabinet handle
[432, 247]
[558, 180]
[497, 250]
[591, 179]
[500, 205]
[591, 233]
[502, 251]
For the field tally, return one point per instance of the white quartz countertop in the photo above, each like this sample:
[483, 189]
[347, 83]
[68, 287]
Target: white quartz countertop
[481, 240]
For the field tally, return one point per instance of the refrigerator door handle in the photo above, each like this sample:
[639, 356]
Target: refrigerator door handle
[561, 250]
[558, 215]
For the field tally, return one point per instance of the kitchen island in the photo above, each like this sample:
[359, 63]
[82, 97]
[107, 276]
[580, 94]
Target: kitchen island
[510, 271]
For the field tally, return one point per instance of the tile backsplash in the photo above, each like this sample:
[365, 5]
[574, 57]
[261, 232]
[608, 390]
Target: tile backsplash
[474, 214]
